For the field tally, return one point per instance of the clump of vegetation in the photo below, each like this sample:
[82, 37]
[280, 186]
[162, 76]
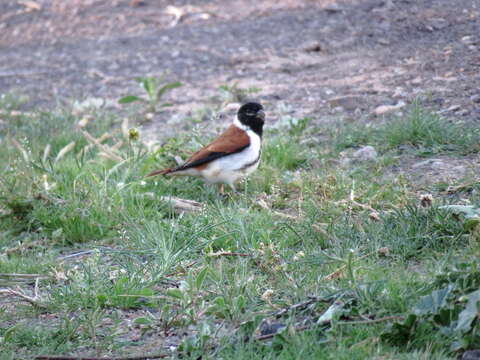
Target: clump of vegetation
[154, 91]
[450, 310]
[309, 260]
[420, 130]
[233, 93]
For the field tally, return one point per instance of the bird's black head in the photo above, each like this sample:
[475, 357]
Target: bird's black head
[251, 114]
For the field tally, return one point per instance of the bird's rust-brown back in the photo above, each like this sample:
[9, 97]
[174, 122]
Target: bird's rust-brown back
[230, 141]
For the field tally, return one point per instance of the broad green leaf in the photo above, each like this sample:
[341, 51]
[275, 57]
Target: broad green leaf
[334, 310]
[470, 312]
[219, 301]
[471, 214]
[201, 277]
[142, 321]
[150, 84]
[176, 293]
[467, 210]
[145, 292]
[167, 87]
[432, 303]
[129, 99]
[472, 222]
[240, 302]
[400, 333]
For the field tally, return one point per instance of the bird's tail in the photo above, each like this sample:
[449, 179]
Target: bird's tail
[161, 172]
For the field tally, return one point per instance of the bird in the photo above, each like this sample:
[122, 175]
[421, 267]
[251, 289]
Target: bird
[230, 157]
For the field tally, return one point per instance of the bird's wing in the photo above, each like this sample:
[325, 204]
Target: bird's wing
[231, 141]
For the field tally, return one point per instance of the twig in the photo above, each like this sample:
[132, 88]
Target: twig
[80, 253]
[269, 336]
[66, 149]
[299, 305]
[23, 74]
[105, 149]
[226, 253]
[20, 149]
[141, 357]
[453, 189]
[21, 275]
[361, 322]
[32, 300]
[357, 204]
[182, 205]
[372, 321]
[262, 203]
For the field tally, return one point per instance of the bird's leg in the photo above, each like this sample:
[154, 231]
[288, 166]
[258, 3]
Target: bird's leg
[221, 189]
[234, 189]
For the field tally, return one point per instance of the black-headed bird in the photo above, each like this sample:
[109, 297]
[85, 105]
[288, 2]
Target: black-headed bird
[233, 155]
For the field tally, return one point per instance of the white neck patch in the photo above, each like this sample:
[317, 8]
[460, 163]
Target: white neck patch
[241, 126]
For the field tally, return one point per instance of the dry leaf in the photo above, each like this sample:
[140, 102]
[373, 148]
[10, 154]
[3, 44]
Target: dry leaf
[66, 149]
[267, 296]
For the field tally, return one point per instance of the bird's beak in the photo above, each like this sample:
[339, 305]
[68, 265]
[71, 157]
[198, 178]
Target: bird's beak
[261, 115]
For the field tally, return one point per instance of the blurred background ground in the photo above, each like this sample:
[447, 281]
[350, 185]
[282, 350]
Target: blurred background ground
[322, 58]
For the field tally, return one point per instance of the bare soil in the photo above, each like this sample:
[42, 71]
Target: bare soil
[325, 59]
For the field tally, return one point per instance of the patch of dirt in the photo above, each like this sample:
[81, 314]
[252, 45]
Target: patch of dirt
[324, 59]
[440, 169]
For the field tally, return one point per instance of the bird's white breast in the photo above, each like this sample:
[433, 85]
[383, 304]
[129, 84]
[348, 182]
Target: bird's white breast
[231, 168]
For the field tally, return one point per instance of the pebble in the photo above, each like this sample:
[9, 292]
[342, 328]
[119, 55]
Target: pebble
[385, 109]
[471, 355]
[454, 108]
[416, 81]
[313, 46]
[365, 153]
[475, 98]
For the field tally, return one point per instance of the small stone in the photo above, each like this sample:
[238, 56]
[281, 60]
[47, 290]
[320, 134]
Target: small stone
[383, 251]
[365, 153]
[268, 328]
[471, 355]
[475, 98]
[374, 216]
[383, 41]
[267, 295]
[454, 108]
[332, 8]
[313, 46]
[399, 92]
[439, 23]
[385, 109]
[349, 102]
[469, 40]
[417, 81]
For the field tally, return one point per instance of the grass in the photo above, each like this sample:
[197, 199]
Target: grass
[420, 131]
[150, 278]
